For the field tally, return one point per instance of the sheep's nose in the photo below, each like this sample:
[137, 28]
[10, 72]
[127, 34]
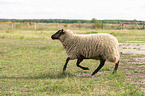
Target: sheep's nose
[52, 37]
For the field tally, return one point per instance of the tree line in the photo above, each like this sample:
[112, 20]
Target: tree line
[67, 21]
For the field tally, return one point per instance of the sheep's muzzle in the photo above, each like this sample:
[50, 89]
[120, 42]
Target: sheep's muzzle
[54, 37]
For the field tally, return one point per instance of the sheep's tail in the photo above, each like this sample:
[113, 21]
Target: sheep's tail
[114, 58]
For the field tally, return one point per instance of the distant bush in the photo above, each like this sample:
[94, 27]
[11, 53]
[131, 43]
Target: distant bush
[97, 25]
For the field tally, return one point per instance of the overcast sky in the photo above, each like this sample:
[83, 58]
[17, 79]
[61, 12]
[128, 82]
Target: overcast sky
[72, 9]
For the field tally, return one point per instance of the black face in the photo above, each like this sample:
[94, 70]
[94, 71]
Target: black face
[57, 34]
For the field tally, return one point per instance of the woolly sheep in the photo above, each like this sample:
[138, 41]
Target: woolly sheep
[101, 46]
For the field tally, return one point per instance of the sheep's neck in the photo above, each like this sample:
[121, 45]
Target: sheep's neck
[69, 41]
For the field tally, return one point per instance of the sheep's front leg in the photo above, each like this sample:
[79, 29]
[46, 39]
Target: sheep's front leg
[102, 62]
[64, 68]
[78, 64]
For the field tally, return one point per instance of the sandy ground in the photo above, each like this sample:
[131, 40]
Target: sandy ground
[132, 62]
[134, 47]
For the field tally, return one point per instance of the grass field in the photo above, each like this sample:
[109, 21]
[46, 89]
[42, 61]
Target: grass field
[31, 64]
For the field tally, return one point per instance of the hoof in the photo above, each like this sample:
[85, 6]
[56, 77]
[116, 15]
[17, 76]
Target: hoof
[114, 72]
[92, 74]
[86, 68]
[63, 72]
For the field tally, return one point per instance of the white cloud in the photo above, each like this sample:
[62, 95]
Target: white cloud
[73, 9]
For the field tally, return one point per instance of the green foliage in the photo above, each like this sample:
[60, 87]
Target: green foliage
[66, 21]
[93, 20]
[46, 20]
[97, 25]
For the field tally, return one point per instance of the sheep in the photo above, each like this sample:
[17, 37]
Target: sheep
[100, 46]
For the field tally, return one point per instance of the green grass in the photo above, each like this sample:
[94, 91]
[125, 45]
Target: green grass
[31, 64]
[121, 35]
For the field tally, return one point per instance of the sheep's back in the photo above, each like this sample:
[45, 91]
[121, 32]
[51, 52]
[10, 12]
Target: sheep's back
[98, 46]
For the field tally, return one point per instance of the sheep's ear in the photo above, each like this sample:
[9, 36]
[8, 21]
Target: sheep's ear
[63, 31]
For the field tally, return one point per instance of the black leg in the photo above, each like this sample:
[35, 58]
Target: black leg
[102, 62]
[78, 64]
[64, 68]
[116, 67]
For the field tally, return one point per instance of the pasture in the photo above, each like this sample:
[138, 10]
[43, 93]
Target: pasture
[31, 64]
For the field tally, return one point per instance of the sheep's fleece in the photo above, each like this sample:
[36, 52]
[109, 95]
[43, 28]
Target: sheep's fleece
[92, 46]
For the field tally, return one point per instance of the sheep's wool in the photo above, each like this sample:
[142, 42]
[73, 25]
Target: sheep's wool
[92, 46]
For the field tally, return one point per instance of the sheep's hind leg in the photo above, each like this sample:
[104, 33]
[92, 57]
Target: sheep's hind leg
[64, 68]
[102, 62]
[78, 64]
[116, 67]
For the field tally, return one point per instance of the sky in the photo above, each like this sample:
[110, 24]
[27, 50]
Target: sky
[73, 9]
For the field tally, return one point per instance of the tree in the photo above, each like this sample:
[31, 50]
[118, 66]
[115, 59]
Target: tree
[93, 20]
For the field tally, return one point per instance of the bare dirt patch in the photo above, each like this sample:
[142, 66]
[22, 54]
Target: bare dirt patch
[133, 48]
[133, 62]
